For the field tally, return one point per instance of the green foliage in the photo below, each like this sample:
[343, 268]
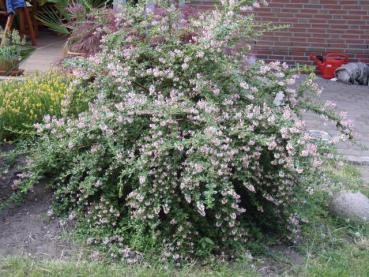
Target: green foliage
[57, 14]
[53, 19]
[331, 247]
[12, 51]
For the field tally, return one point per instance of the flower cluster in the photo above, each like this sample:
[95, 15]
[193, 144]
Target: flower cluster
[183, 146]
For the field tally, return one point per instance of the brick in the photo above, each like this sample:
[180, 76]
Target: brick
[318, 26]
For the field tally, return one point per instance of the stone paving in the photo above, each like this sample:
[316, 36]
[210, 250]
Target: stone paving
[49, 51]
[355, 101]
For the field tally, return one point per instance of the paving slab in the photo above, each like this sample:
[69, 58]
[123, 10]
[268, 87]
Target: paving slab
[48, 53]
[354, 100]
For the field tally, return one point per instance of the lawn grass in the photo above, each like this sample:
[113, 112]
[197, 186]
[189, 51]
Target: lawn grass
[27, 267]
[330, 247]
[348, 260]
[334, 246]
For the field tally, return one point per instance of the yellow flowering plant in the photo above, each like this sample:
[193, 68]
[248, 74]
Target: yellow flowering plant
[25, 102]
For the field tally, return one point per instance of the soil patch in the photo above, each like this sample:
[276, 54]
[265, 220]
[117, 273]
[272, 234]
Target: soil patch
[25, 229]
[284, 258]
[7, 175]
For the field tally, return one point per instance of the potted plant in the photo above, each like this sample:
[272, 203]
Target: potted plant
[11, 53]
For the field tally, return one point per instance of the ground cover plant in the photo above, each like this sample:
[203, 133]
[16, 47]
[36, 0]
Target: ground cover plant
[186, 151]
[23, 103]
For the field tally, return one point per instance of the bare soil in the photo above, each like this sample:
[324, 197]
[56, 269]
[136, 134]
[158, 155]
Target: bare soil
[6, 177]
[26, 229]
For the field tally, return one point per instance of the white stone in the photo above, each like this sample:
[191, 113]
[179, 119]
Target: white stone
[351, 205]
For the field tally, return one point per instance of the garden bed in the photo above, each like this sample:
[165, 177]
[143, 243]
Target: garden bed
[169, 148]
[7, 175]
[25, 227]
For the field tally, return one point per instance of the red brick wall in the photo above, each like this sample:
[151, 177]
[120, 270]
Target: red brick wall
[317, 26]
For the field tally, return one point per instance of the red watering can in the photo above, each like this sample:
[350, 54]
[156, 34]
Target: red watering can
[328, 65]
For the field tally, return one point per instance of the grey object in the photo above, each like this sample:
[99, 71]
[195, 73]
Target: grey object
[351, 205]
[353, 73]
[318, 134]
[278, 100]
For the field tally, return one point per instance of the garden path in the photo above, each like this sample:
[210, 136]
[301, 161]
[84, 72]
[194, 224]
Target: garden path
[49, 52]
[355, 101]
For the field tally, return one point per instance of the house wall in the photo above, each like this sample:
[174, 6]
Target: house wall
[316, 26]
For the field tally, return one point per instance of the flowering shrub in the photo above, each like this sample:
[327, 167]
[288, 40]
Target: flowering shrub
[186, 147]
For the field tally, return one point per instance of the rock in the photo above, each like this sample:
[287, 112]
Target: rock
[351, 205]
[318, 134]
